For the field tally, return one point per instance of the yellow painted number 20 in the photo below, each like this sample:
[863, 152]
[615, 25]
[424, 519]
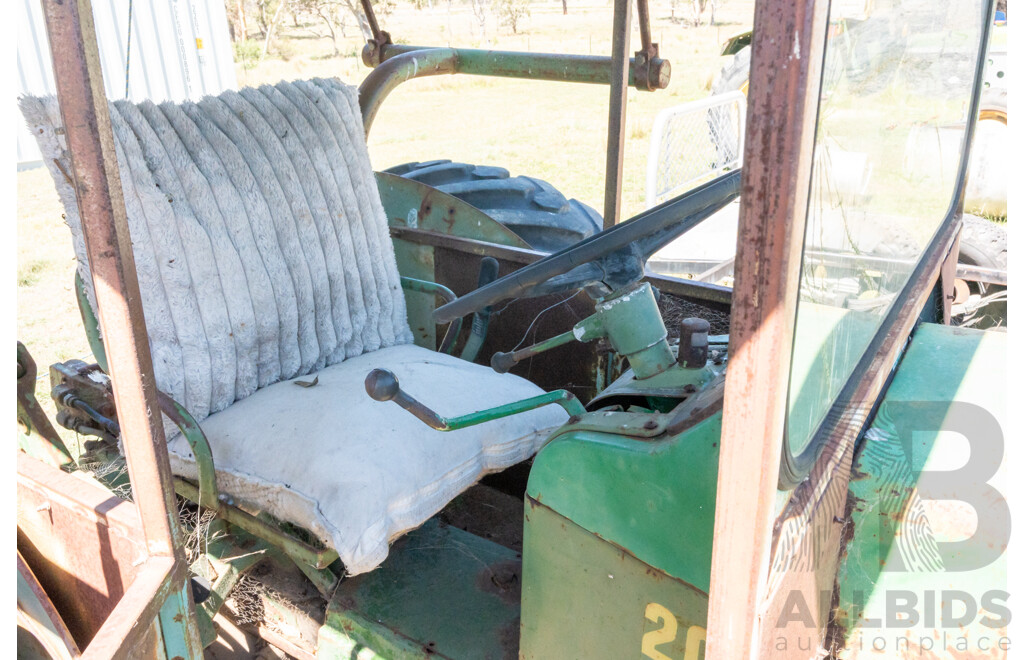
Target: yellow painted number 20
[667, 633]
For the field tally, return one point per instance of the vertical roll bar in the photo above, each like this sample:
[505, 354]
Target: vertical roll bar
[94, 170]
[617, 112]
[782, 108]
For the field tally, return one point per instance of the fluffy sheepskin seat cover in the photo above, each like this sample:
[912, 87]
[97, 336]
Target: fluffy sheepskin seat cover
[263, 255]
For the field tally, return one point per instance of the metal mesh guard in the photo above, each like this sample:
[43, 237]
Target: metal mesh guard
[694, 142]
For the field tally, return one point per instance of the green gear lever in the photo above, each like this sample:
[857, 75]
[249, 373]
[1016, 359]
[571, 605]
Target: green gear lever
[382, 385]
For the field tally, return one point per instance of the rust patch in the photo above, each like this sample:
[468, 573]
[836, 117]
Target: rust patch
[424, 209]
[504, 579]
[654, 573]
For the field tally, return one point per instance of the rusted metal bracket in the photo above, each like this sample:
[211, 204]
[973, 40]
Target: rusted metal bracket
[649, 71]
[38, 437]
[372, 53]
[84, 399]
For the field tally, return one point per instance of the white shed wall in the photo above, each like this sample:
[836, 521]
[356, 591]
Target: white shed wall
[180, 49]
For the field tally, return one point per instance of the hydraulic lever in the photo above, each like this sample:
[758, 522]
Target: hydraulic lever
[382, 385]
[586, 330]
[631, 321]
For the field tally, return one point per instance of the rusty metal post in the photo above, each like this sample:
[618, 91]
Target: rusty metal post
[788, 48]
[617, 112]
[643, 17]
[86, 119]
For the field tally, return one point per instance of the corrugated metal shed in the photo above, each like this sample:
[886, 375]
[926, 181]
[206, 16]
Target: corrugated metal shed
[179, 49]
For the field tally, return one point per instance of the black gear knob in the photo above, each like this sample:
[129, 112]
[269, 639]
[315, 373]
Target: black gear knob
[503, 362]
[382, 385]
[693, 343]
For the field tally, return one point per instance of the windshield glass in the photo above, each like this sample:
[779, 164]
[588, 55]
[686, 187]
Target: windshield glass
[895, 95]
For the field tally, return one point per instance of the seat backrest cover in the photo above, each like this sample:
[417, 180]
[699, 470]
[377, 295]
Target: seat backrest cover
[260, 242]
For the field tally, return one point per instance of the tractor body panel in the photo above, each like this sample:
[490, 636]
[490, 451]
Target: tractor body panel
[442, 593]
[924, 569]
[586, 597]
[623, 526]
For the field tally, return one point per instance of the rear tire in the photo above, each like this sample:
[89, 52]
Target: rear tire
[983, 243]
[534, 209]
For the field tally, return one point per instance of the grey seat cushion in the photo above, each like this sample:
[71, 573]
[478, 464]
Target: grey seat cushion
[358, 472]
[260, 241]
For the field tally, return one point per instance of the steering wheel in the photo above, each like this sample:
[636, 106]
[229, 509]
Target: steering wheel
[608, 260]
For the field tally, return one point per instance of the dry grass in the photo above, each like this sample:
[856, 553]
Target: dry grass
[549, 130]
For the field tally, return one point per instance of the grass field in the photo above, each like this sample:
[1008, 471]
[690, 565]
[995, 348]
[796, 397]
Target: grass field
[549, 130]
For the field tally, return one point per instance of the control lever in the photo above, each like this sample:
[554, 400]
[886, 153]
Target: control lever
[586, 330]
[482, 318]
[382, 385]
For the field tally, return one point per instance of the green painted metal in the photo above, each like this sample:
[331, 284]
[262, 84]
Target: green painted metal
[563, 398]
[409, 203]
[412, 204]
[586, 330]
[426, 286]
[177, 630]
[228, 554]
[36, 435]
[655, 497]
[671, 385]
[738, 42]
[385, 78]
[441, 593]
[91, 324]
[632, 322]
[209, 496]
[435, 289]
[592, 69]
[417, 261]
[298, 550]
[632, 424]
[584, 597]
[898, 546]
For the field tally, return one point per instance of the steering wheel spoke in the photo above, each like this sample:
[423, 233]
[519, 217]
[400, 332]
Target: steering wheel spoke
[613, 258]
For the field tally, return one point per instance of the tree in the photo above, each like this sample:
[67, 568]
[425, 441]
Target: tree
[239, 29]
[511, 12]
[699, 7]
[272, 23]
[326, 11]
[480, 12]
[333, 13]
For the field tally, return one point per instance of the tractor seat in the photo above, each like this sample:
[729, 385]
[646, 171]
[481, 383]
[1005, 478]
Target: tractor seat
[263, 256]
[357, 472]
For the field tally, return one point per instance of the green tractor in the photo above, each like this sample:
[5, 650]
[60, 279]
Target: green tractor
[315, 427]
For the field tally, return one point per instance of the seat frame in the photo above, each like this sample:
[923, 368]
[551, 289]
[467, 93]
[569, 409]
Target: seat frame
[205, 493]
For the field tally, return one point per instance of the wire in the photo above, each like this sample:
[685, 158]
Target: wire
[541, 313]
